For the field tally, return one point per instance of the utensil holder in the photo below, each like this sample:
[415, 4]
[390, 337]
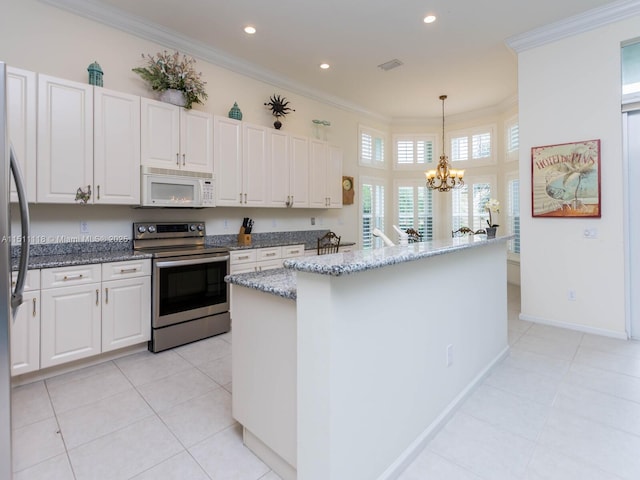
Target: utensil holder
[244, 238]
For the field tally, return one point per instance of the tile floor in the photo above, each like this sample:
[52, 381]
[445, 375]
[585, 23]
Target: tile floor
[563, 405]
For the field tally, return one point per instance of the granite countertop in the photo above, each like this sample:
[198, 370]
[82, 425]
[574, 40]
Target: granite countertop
[50, 255]
[279, 281]
[64, 260]
[282, 282]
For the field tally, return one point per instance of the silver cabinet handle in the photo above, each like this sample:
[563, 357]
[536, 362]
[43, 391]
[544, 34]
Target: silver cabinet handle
[98, 193]
[97, 297]
[34, 307]
[240, 197]
[178, 159]
[294, 251]
[184, 159]
[272, 254]
[129, 270]
[245, 198]
[106, 295]
[72, 277]
[244, 257]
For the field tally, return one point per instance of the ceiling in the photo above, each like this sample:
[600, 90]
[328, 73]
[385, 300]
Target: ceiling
[463, 54]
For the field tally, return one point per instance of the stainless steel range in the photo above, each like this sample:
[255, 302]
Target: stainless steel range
[190, 299]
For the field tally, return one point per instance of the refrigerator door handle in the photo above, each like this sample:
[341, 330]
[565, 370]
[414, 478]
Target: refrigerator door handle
[16, 295]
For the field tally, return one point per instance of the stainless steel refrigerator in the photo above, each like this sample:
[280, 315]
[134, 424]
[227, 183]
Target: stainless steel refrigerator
[9, 300]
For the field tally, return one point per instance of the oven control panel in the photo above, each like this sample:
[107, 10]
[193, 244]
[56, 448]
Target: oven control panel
[148, 230]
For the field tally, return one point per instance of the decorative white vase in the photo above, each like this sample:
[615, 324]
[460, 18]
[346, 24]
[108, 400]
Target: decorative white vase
[173, 96]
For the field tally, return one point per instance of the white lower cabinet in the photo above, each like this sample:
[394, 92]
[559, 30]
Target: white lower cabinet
[260, 259]
[75, 312]
[70, 319]
[126, 304]
[24, 330]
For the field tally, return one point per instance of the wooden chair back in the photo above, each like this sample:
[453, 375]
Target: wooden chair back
[329, 243]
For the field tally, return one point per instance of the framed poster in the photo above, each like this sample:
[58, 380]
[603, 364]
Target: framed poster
[565, 180]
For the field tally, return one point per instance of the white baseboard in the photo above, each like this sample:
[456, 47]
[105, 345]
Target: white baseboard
[575, 326]
[417, 446]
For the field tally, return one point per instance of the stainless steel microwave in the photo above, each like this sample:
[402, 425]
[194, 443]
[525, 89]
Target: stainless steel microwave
[161, 187]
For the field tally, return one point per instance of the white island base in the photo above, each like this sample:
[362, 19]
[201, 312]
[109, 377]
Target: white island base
[352, 379]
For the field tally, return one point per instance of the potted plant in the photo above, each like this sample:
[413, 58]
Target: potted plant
[492, 205]
[167, 72]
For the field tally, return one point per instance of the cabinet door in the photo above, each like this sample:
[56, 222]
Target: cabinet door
[21, 122]
[254, 165]
[299, 171]
[24, 331]
[116, 159]
[334, 177]
[196, 141]
[126, 312]
[65, 139]
[227, 160]
[279, 169]
[70, 324]
[160, 134]
[318, 197]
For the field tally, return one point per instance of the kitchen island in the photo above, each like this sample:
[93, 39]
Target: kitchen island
[345, 365]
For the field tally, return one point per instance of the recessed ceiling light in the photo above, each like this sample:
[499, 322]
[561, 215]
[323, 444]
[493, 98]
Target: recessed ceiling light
[250, 29]
[429, 19]
[324, 66]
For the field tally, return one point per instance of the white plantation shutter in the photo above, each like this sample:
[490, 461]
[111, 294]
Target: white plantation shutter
[413, 151]
[468, 204]
[415, 208]
[459, 149]
[372, 199]
[371, 147]
[481, 145]
[473, 145]
[512, 138]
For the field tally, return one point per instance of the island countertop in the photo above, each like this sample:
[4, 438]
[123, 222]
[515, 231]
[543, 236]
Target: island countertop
[282, 281]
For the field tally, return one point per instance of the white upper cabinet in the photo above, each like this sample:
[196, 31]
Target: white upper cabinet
[279, 169]
[65, 139]
[299, 171]
[175, 138]
[228, 161]
[254, 165]
[21, 121]
[88, 141]
[116, 148]
[325, 175]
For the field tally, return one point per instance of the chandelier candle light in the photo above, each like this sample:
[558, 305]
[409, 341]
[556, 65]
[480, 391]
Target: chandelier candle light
[444, 178]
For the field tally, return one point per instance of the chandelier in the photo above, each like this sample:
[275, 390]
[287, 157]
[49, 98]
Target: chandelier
[444, 178]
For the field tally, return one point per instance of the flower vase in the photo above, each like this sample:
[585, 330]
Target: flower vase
[173, 96]
[491, 232]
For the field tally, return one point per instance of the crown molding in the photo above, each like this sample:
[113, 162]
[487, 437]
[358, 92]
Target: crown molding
[139, 27]
[568, 27]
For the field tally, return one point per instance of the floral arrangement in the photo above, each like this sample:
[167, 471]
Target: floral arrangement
[492, 205]
[165, 71]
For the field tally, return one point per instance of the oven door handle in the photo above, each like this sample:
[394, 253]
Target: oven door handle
[193, 261]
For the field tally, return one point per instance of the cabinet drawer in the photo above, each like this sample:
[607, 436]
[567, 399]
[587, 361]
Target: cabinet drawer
[292, 251]
[32, 282]
[243, 268]
[271, 253]
[269, 265]
[128, 269]
[242, 256]
[346, 249]
[75, 275]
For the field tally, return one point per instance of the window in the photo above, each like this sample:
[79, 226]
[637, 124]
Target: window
[372, 208]
[474, 145]
[631, 69]
[413, 151]
[371, 143]
[414, 203]
[468, 204]
[513, 212]
[512, 139]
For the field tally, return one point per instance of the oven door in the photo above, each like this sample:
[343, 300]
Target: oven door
[189, 287]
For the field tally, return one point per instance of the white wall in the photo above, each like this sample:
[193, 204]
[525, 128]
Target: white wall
[570, 90]
[44, 39]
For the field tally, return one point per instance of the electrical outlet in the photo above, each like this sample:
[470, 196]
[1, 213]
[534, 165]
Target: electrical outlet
[449, 355]
[226, 224]
[84, 227]
[571, 295]
[313, 220]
